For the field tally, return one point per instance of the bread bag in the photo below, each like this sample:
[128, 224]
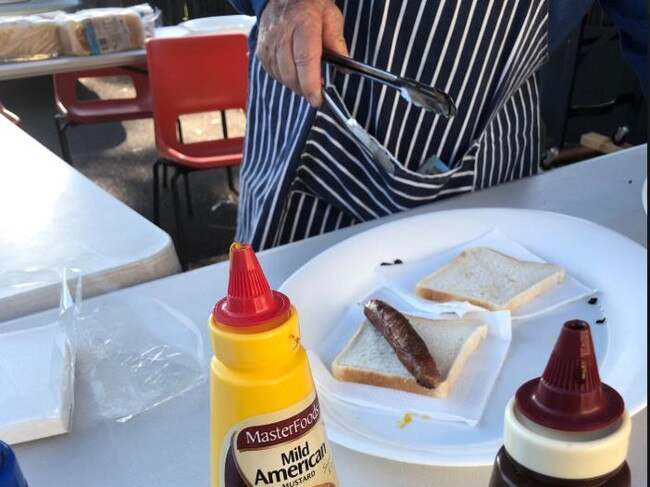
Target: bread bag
[105, 30]
[28, 38]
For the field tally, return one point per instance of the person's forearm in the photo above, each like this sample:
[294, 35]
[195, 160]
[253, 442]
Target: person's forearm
[249, 7]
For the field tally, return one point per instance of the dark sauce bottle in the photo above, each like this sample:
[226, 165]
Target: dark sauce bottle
[565, 428]
[10, 473]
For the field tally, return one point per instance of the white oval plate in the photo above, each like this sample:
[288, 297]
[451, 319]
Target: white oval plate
[323, 289]
[212, 25]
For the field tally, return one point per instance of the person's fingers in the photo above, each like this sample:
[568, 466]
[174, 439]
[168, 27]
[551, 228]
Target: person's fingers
[333, 38]
[290, 42]
[270, 64]
[264, 50]
[307, 50]
[286, 67]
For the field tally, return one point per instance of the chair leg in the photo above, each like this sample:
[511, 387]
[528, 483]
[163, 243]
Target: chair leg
[179, 128]
[180, 234]
[188, 194]
[224, 124]
[61, 124]
[165, 176]
[231, 181]
[156, 190]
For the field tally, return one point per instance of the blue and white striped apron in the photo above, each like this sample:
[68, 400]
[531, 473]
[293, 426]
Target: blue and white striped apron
[304, 175]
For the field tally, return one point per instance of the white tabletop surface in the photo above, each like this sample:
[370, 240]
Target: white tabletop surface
[206, 25]
[169, 446]
[52, 217]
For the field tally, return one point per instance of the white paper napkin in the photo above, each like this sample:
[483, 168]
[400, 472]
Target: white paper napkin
[469, 394]
[402, 279]
[36, 384]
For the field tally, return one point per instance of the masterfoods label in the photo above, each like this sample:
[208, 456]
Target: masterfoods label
[286, 448]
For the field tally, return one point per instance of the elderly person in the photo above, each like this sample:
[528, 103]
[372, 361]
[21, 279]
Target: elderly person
[303, 174]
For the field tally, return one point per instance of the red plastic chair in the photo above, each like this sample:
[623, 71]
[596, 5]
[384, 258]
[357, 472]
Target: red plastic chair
[188, 75]
[12, 117]
[72, 111]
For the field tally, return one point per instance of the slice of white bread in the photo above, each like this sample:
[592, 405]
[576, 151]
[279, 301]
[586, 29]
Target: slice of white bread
[489, 279]
[369, 359]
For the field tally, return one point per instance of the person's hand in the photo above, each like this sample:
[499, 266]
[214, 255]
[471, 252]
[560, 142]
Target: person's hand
[292, 35]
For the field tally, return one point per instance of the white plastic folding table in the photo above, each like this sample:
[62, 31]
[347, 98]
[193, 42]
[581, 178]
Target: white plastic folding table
[169, 445]
[52, 217]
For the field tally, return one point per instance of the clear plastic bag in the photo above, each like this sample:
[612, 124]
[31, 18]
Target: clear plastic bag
[29, 38]
[133, 353]
[83, 33]
[103, 30]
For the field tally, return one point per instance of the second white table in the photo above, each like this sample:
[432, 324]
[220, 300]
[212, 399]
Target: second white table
[52, 217]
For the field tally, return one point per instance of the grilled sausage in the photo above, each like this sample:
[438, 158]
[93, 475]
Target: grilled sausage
[408, 345]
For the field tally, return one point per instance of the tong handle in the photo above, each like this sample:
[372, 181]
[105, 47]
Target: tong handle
[426, 97]
[359, 67]
[370, 145]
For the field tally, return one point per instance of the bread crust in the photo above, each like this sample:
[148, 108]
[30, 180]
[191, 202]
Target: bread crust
[349, 374]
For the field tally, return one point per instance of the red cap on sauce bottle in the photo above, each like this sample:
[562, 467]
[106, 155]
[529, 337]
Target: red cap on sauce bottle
[570, 396]
[250, 300]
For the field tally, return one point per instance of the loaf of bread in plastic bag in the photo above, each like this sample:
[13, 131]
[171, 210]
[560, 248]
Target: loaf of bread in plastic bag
[84, 33]
[100, 31]
[29, 38]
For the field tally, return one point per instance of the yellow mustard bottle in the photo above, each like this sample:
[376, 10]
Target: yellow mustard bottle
[266, 425]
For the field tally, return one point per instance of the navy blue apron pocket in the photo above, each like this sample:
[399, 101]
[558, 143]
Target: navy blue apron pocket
[335, 168]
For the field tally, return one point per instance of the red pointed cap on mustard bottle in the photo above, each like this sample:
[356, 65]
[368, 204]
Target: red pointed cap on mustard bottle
[250, 300]
[570, 396]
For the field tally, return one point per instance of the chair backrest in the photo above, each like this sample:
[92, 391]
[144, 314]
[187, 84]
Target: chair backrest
[195, 74]
[65, 84]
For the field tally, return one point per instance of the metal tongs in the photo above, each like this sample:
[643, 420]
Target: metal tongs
[367, 142]
[426, 97]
